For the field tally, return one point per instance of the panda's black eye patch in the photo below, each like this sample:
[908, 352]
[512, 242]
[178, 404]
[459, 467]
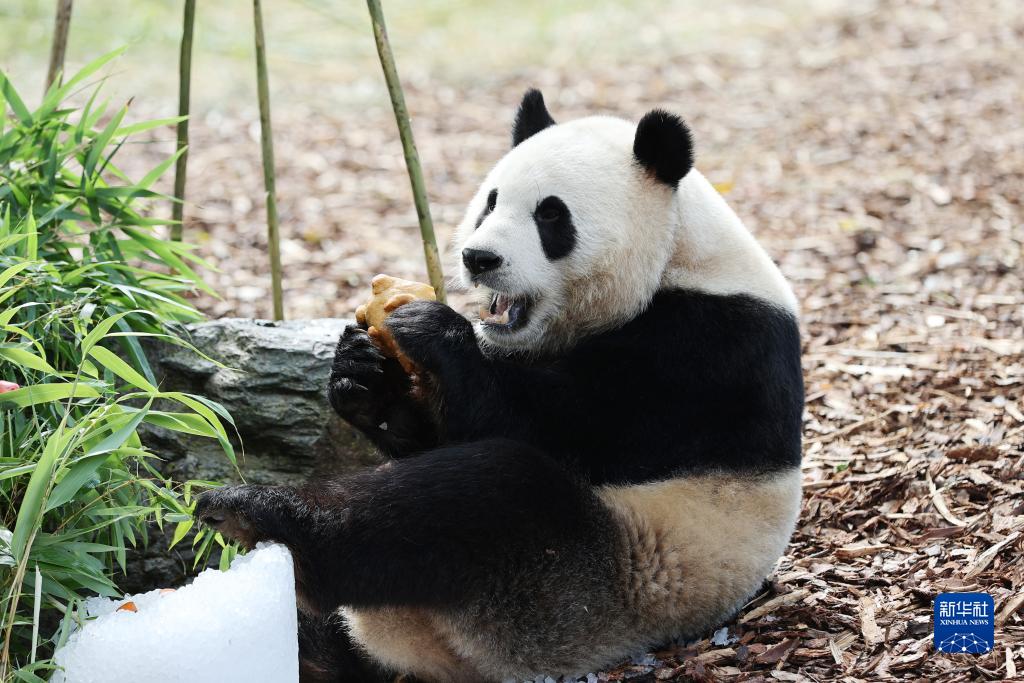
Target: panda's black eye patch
[549, 214]
[554, 224]
[492, 201]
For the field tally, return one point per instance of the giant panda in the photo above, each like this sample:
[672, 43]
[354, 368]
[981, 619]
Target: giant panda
[607, 459]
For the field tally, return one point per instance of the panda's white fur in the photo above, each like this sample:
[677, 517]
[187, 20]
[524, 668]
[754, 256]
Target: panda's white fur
[635, 236]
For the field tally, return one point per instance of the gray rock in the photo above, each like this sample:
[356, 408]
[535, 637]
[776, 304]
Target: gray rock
[273, 382]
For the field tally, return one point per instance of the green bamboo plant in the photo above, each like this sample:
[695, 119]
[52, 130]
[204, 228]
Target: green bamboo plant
[267, 142]
[59, 45]
[85, 278]
[412, 157]
[184, 95]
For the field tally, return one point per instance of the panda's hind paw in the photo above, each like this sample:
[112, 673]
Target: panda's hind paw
[223, 510]
[250, 513]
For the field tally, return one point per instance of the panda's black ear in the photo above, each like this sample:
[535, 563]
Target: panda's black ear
[663, 146]
[532, 117]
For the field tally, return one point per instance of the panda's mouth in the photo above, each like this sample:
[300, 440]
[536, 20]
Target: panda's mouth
[506, 312]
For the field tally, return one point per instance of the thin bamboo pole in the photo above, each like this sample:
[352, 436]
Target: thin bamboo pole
[273, 238]
[412, 158]
[184, 91]
[60, 42]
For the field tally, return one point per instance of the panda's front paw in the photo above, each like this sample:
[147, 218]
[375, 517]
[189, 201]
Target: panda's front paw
[356, 373]
[429, 333]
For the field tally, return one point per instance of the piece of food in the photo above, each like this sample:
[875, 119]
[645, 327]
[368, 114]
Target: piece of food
[388, 294]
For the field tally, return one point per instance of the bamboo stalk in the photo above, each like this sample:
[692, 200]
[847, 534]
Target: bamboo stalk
[184, 91]
[59, 47]
[273, 238]
[412, 158]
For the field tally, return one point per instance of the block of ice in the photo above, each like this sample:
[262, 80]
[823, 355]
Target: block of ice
[239, 625]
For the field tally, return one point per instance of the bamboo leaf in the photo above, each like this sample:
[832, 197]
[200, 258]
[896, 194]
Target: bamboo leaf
[92, 460]
[166, 251]
[112, 362]
[17, 471]
[32, 243]
[48, 393]
[180, 531]
[99, 143]
[31, 509]
[100, 329]
[56, 97]
[186, 423]
[134, 350]
[14, 270]
[120, 435]
[135, 128]
[14, 101]
[158, 171]
[72, 481]
[27, 359]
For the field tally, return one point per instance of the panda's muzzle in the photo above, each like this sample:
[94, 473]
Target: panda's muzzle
[505, 313]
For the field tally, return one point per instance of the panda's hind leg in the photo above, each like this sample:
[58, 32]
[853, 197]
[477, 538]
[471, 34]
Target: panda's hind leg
[492, 545]
[327, 653]
[521, 566]
[412, 640]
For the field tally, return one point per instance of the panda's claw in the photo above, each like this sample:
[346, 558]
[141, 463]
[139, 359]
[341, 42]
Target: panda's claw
[348, 384]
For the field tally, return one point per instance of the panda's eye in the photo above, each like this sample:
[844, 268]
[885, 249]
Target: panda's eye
[492, 200]
[551, 210]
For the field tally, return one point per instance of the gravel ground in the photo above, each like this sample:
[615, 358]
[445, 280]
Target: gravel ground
[878, 153]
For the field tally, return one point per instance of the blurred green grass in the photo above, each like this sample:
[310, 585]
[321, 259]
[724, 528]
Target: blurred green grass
[326, 47]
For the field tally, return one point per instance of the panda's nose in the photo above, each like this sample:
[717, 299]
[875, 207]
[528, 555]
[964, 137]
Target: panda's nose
[480, 260]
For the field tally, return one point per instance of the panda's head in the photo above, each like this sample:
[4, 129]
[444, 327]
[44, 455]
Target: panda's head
[571, 231]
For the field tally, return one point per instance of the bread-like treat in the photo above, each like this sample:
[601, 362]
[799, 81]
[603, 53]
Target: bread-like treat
[388, 294]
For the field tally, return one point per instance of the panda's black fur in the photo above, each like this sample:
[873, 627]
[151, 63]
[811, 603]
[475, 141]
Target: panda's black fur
[502, 512]
[669, 387]
[555, 227]
[531, 118]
